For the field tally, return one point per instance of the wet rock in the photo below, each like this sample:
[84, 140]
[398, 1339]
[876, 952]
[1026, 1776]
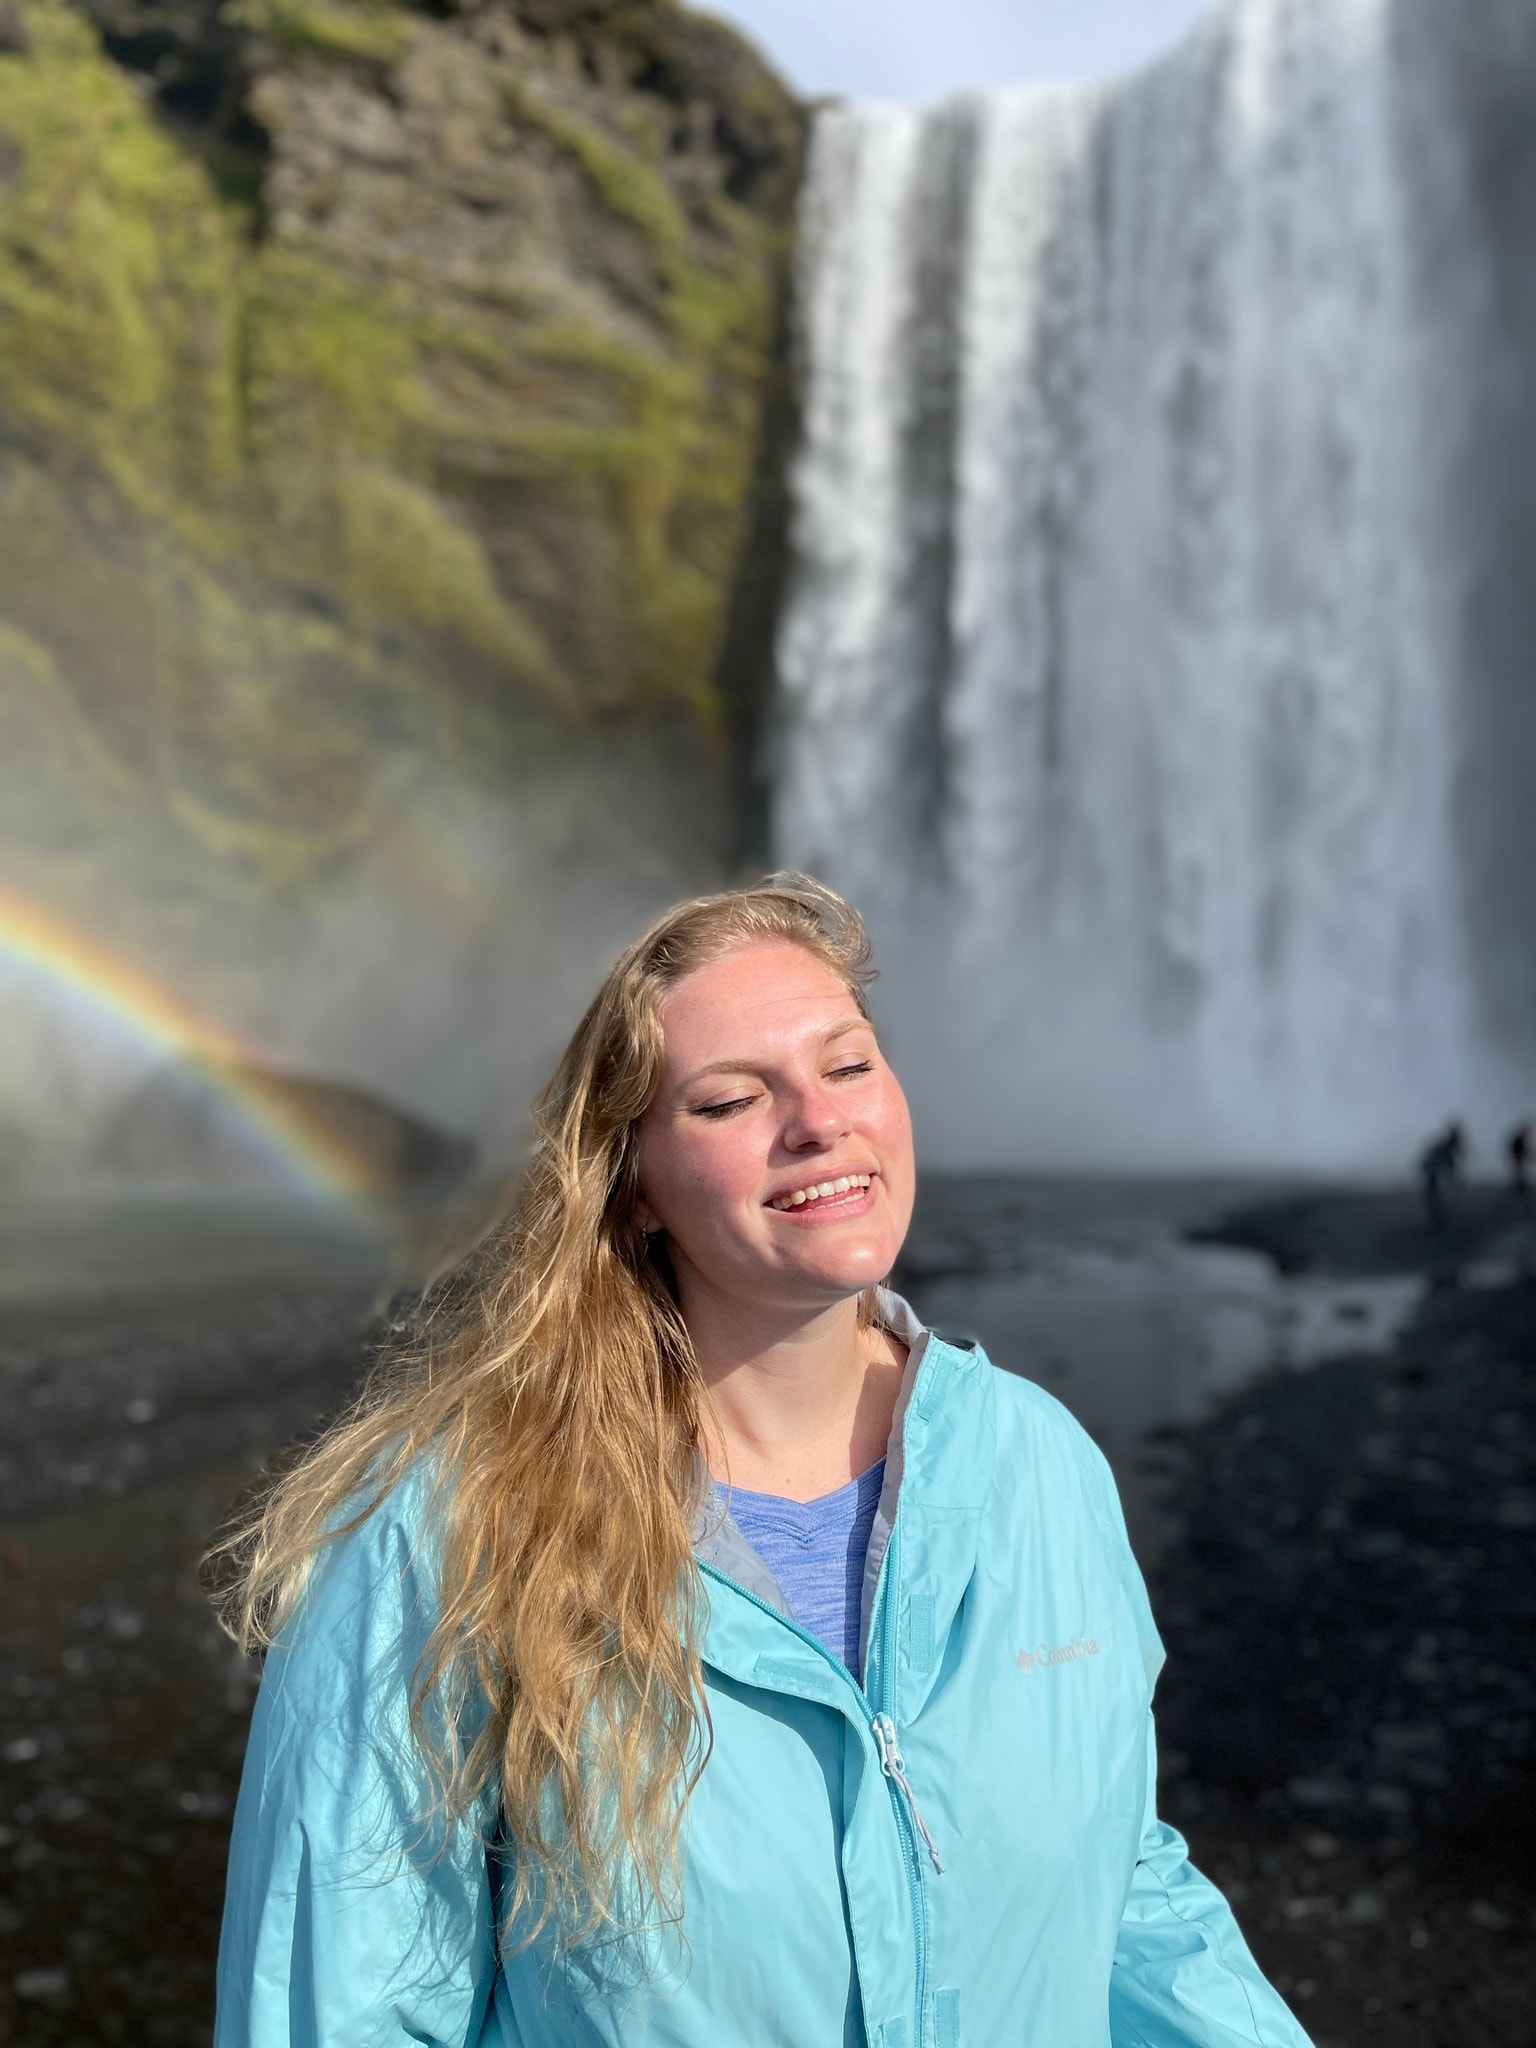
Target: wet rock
[1358, 1234]
[42, 1983]
[122, 1708]
[1363, 1597]
[1349, 1617]
[1482, 1914]
[180, 1125]
[1320, 1792]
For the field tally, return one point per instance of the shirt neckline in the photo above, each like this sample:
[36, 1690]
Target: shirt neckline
[867, 1479]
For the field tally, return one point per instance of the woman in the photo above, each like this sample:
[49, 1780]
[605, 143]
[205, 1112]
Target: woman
[618, 1693]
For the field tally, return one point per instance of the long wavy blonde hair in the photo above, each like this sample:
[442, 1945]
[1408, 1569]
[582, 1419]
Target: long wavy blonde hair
[555, 1410]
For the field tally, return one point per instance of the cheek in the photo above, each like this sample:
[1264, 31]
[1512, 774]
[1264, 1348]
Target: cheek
[896, 1132]
[695, 1182]
[901, 1171]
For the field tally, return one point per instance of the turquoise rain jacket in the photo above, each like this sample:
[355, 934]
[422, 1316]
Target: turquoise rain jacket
[961, 1852]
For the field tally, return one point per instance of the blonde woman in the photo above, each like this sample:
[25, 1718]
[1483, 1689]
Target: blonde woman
[686, 1647]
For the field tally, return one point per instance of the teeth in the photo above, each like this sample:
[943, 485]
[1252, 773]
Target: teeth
[819, 1190]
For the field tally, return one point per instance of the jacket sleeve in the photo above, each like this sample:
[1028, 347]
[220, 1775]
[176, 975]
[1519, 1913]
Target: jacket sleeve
[1183, 1976]
[349, 1921]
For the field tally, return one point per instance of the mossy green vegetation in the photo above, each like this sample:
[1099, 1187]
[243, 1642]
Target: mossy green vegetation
[373, 31]
[120, 273]
[681, 464]
[293, 496]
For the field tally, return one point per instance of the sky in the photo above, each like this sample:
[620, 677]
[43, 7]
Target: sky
[923, 49]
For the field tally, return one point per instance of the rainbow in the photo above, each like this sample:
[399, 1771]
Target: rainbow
[38, 940]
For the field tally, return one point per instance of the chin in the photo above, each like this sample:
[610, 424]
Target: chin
[843, 1277]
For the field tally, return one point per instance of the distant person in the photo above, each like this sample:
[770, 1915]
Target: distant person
[684, 1645]
[1440, 1167]
[1517, 1149]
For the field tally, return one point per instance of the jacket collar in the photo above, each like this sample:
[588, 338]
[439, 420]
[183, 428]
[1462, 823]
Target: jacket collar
[938, 1474]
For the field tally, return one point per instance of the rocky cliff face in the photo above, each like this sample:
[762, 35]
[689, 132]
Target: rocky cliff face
[458, 327]
[383, 399]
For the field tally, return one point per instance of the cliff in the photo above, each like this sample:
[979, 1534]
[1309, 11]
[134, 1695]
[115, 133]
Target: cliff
[388, 399]
[346, 345]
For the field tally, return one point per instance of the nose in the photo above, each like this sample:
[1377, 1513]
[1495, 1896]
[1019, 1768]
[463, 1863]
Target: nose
[814, 1118]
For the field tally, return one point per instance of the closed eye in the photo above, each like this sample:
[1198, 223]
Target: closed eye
[717, 1110]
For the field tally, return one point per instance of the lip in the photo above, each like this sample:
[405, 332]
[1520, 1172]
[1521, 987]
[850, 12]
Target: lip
[829, 1208]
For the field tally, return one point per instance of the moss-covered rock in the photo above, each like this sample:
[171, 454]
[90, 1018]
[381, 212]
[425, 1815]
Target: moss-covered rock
[367, 371]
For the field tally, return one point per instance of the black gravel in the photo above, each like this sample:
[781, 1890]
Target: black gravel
[123, 1710]
[1350, 1715]
[1358, 1233]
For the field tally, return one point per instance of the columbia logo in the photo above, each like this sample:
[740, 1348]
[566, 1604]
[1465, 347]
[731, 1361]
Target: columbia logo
[1064, 1653]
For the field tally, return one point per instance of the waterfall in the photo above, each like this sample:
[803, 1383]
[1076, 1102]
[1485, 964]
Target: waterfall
[1116, 674]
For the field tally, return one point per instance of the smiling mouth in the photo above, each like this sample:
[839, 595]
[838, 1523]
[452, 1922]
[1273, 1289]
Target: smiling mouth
[845, 1188]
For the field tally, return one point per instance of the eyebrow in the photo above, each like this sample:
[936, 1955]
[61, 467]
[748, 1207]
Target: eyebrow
[743, 1066]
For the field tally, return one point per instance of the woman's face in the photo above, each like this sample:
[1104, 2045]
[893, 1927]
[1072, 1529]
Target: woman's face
[777, 1154]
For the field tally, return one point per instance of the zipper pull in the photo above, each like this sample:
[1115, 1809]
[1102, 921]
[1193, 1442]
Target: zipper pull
[894, 1767]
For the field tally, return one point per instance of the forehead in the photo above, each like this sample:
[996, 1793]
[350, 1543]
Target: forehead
[759, 996]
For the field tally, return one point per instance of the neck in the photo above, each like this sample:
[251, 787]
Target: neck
[799, 1401]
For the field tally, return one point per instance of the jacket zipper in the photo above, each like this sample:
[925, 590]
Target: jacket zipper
[894, 1766]
[907, 1813]
[883, 1728]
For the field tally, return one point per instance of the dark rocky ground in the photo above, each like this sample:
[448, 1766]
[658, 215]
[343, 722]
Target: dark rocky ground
[1347, 1719]
[1346, 1716]
[126, 1431]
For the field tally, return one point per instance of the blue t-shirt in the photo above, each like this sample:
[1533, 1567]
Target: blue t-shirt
[816, 1551]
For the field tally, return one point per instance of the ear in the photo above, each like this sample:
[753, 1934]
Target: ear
[645, 1216]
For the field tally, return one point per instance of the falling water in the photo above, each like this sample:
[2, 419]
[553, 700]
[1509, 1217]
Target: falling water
[1115, 681]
